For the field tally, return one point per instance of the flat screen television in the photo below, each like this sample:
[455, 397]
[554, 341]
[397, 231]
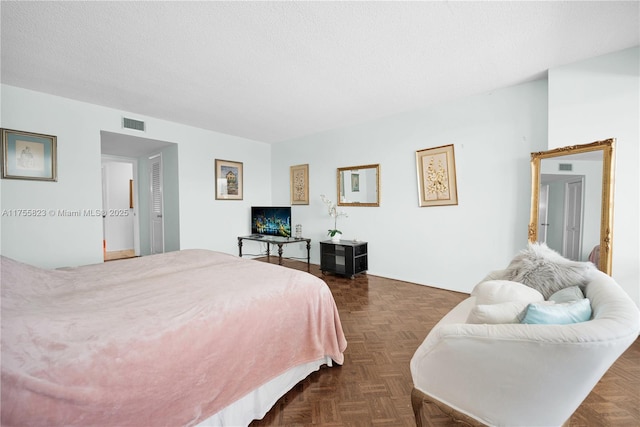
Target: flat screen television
[271, 220]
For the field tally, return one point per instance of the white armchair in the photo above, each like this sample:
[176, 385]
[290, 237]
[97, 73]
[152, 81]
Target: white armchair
[521, 374]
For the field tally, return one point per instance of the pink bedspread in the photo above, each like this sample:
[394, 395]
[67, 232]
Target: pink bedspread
[160, 340]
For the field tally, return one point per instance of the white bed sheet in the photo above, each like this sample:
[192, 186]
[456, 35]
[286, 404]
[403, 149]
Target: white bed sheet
[256, 404]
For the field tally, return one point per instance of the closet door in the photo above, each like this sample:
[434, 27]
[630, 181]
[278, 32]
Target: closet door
[157, 207]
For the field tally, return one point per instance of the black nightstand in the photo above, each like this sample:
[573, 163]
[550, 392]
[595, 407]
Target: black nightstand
[346, 257]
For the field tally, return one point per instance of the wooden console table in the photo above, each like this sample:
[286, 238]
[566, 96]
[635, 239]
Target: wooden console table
[275, 240]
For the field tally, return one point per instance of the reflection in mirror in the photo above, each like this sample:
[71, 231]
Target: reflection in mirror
[572, 201]
[359, 185]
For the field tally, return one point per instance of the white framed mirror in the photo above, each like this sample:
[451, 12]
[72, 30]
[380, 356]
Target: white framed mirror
[572, 201]
[359, 185]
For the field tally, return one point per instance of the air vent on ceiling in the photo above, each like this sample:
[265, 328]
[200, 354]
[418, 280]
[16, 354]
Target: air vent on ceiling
[566, 167]
[134, 124]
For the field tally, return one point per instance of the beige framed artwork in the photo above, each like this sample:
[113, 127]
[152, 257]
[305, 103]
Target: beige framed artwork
[299, 181]
[228, 180]
[28, 155]
[436, 169]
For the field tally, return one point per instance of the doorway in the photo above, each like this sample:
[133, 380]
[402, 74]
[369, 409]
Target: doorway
[119, 214]
[543, 214]
[563, 215]
[140, 151]
[572, 244]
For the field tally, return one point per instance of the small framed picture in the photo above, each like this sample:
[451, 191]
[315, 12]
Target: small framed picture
[299, 181]
[27, 155]
[355, 182]
[437, 176]
[228, 180]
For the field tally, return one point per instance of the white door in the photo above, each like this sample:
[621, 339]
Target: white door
[156, 208]
[573, 220]
[118, 214]
[104, 207]
[543, 213]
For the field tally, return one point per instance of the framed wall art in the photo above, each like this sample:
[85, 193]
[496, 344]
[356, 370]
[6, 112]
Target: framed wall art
[228, 180]
[299, 181]
[436, 169]
[355, 182]
[27, 155]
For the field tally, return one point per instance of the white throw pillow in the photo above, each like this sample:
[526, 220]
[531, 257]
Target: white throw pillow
[572, 293]
[499, 291]
[506, 312]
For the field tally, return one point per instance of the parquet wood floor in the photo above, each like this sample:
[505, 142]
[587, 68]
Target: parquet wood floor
[116, 255]
[384, 322]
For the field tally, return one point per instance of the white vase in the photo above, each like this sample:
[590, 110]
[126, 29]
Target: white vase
[336, 237]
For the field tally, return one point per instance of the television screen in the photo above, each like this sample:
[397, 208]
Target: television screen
[271, 220]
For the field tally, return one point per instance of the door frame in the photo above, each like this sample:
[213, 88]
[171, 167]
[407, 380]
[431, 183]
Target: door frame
[136, 203]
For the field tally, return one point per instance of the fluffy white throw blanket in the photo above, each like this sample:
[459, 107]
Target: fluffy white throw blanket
[545, 270]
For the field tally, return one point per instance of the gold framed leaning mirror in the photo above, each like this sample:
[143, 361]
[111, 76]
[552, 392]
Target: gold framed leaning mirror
[359, 185]
[572, 201]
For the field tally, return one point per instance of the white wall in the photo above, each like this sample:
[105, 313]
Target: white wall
[215, 224]
[55, 241]
[452, 247]
[594, 100]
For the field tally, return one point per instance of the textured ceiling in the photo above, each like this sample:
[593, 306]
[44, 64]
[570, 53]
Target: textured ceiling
[273, 71]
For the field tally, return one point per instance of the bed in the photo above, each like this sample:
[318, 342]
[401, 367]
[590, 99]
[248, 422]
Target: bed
[187, 338]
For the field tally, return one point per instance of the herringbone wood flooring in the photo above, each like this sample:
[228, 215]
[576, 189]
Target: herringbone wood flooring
[384, 322]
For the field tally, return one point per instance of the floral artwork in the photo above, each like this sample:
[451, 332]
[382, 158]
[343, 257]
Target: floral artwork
[299, 177]
[436, 176]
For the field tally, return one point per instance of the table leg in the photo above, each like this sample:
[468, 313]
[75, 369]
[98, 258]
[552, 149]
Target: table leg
[239, 247]
[280, 253]
[308, 253]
